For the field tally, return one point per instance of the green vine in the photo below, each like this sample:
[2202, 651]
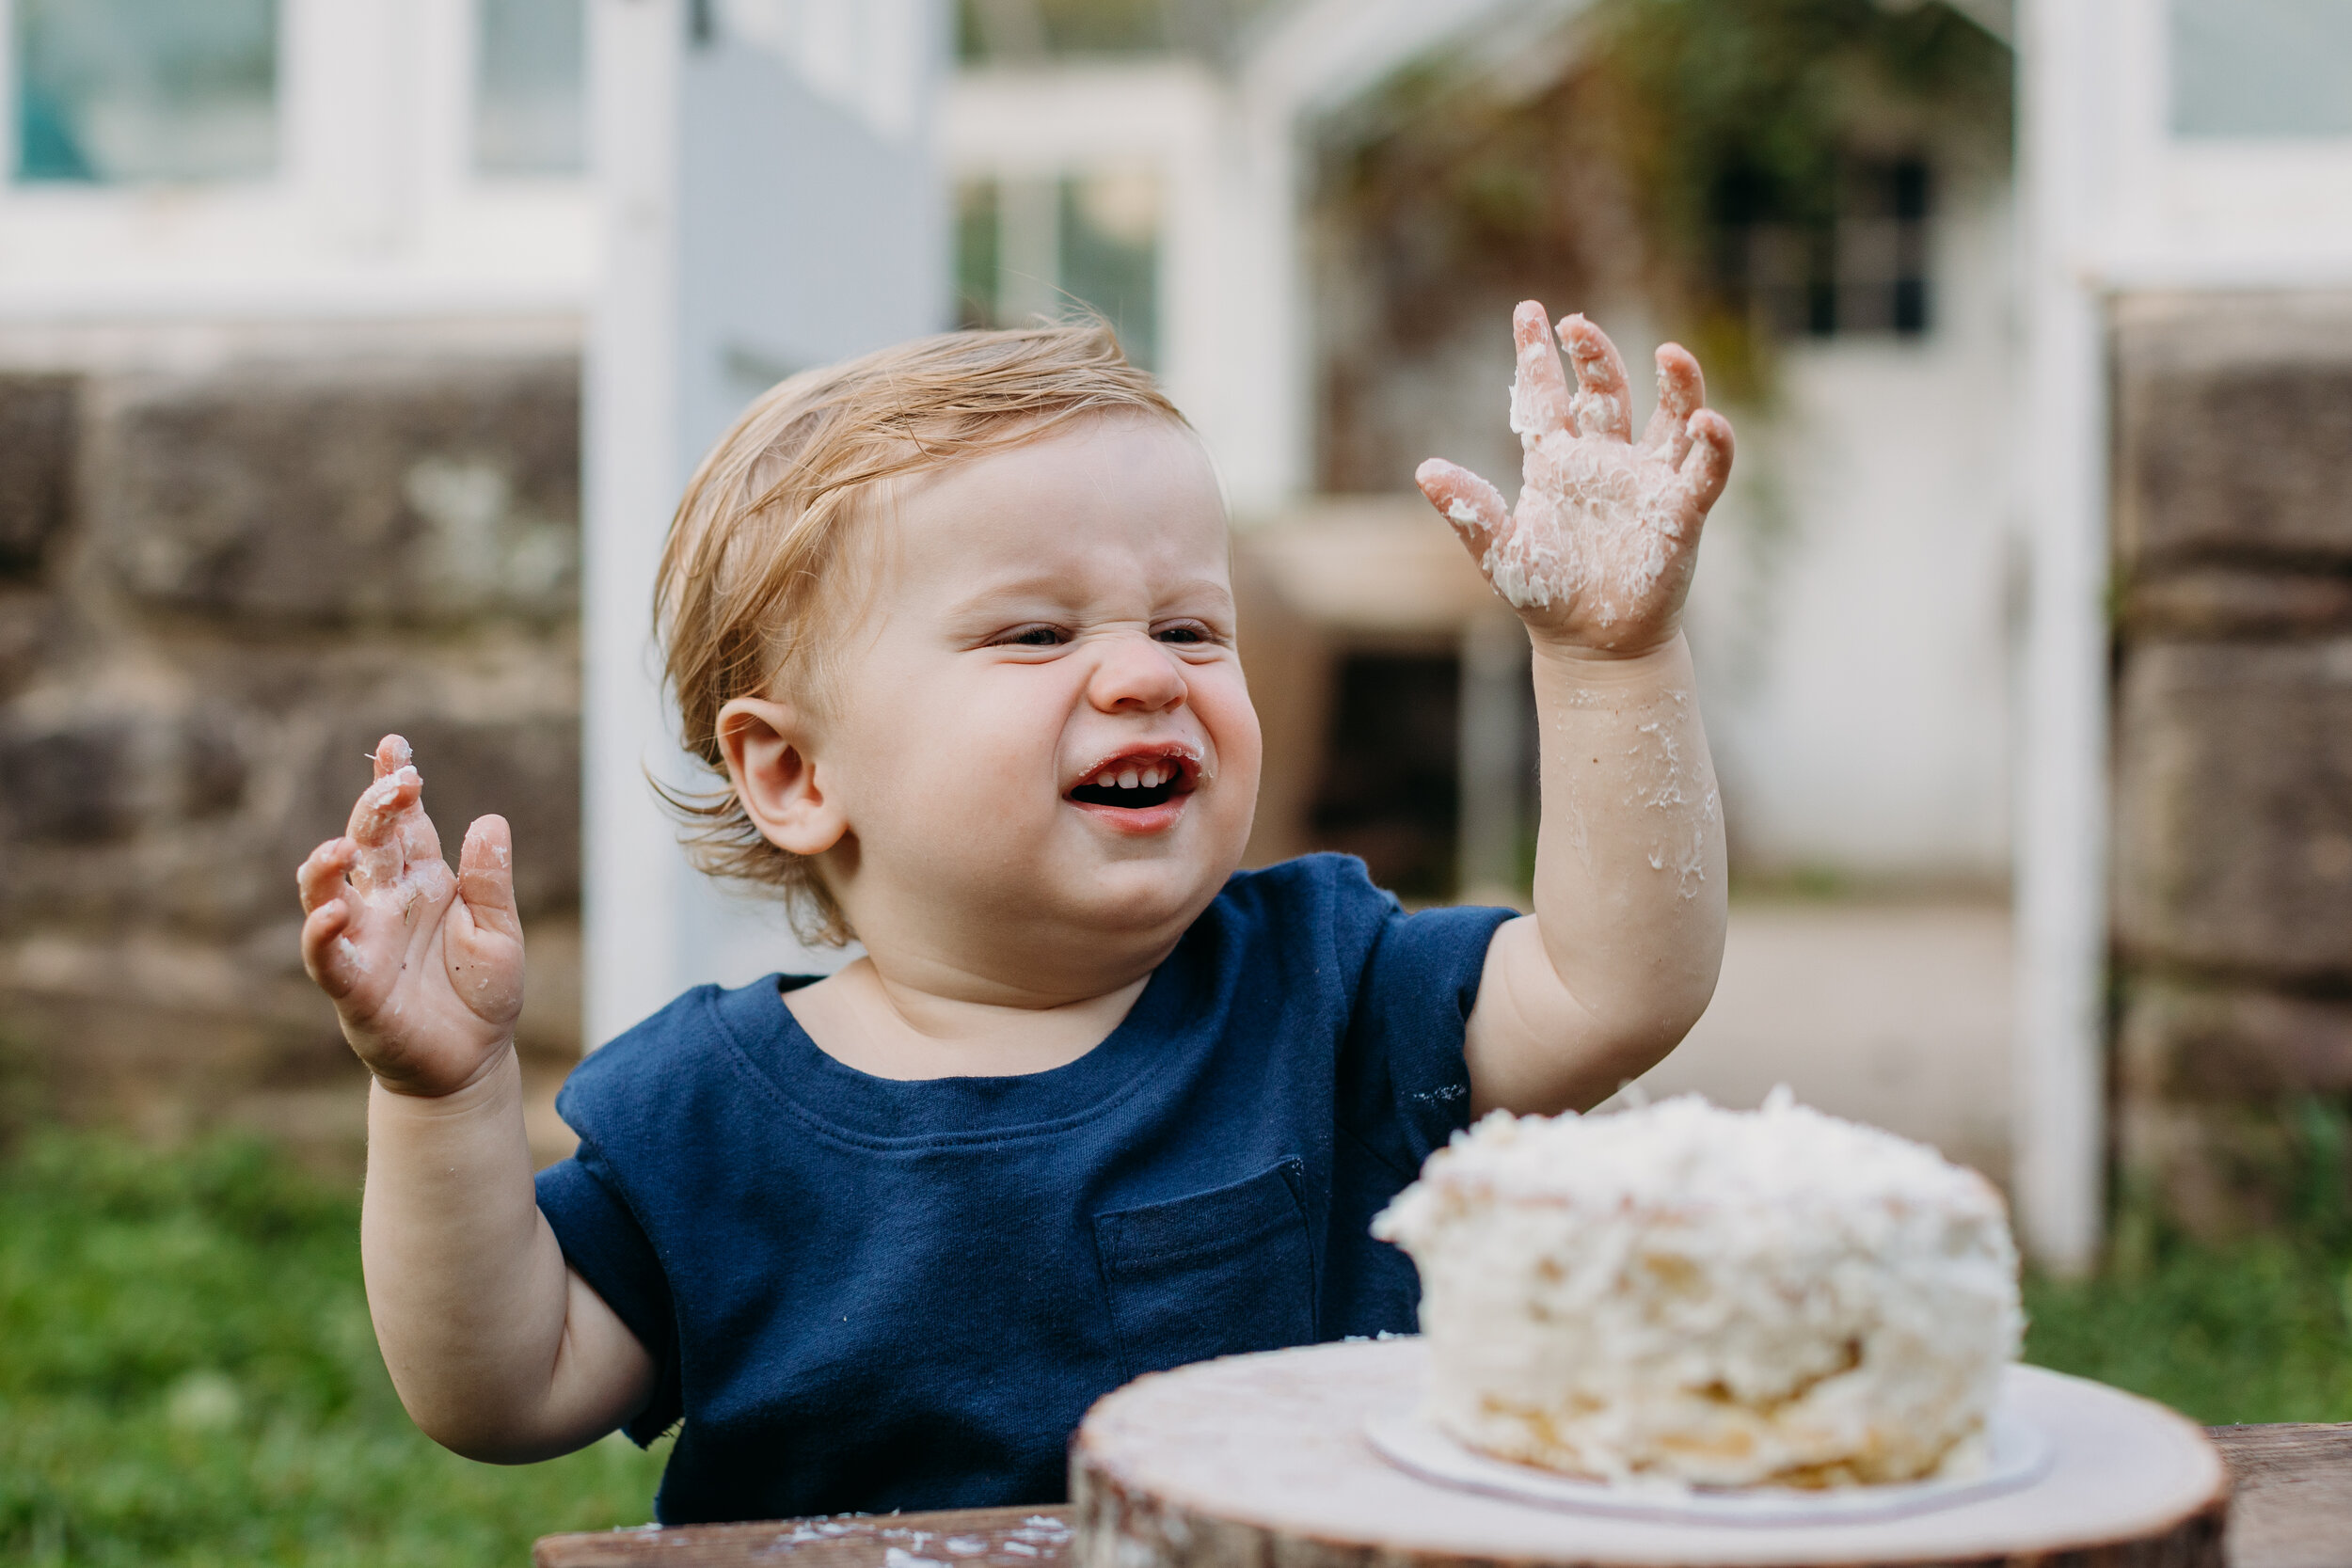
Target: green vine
[1448, 183]
[1773, 97]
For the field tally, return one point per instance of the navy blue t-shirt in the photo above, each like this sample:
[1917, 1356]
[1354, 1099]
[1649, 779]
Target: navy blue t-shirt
[870, 1295]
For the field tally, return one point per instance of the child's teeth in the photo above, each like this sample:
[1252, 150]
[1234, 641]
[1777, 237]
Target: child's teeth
[1151, 778]
[1127, 779]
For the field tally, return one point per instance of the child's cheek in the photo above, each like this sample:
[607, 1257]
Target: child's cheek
[1232, 723]
[997, 749]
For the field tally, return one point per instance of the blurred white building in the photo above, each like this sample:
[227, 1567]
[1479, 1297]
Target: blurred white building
[405, 161]
[710, 194]
[778, 182]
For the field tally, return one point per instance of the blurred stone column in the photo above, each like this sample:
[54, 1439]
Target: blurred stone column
[219, 586]
[2233, 743]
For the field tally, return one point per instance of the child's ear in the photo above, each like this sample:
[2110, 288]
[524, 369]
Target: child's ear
[768, 758]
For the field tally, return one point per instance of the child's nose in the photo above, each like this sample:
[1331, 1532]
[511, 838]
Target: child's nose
[1136, 675]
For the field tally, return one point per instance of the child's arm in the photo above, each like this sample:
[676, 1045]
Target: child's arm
[1620, 956]
[498, 1350]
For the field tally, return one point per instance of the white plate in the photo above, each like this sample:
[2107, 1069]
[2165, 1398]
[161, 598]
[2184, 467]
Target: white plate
[2021, 1456]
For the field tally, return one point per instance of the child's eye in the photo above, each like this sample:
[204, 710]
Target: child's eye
[1190, 632]
[1032, 637]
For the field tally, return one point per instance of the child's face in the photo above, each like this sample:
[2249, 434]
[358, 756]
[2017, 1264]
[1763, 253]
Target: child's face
[1042, 729]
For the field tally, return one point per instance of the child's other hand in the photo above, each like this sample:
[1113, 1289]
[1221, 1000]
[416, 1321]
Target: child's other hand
[1599, 554]
[427, 968]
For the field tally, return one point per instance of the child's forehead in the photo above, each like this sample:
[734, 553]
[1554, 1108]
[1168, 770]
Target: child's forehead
[1119, 494]
[1113, 453]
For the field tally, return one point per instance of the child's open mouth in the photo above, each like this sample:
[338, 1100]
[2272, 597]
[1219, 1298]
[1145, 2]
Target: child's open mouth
[1139, 782]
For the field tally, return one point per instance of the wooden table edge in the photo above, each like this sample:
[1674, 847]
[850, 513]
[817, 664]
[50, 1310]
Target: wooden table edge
[2287, 1503]
[825, 1540]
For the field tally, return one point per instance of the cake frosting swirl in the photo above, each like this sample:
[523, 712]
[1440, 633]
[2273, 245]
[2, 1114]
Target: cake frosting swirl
[1690, 1295]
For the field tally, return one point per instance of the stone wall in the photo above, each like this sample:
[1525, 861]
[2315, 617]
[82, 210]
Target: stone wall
[2233, 743]
[218, 588]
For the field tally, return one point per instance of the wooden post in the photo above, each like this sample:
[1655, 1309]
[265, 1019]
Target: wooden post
[2059, 1071]
[768, 204]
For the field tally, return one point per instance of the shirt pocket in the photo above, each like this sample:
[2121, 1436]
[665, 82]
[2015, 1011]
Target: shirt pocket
[1210, 1273]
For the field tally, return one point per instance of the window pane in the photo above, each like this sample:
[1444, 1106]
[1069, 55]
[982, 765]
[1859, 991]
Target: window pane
[529, 115]
[1110, 253]
[976, 253]
[124, 90]
[1043, 247]
[2262, 67]
[1024, 31]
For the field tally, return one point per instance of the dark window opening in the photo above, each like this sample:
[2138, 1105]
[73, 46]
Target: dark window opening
[1854, 264]
[1390, 791]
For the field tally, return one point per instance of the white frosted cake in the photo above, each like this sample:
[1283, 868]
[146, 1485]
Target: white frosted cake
[1690, 1295]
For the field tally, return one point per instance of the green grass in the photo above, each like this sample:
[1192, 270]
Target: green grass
[188, 1376]
[2259, 1332]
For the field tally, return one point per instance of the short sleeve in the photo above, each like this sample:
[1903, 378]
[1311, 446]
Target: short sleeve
[605, 1245]
[1405, 1088]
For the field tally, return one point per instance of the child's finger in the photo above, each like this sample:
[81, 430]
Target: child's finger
[320, 875]
[1681, 392]
[392, 755]
[375, 826]
[486, 976]
[1539, 394]
[1701, 479]
[419, 840]
[1603, 404]
[328, 953]
[485, 876]
[1473, 506]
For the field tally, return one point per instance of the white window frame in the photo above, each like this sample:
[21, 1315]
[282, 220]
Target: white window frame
[1017, 126]
[2209, 212]
[374, 208]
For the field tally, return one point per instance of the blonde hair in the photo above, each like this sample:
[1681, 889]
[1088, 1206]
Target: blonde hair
[742, 602]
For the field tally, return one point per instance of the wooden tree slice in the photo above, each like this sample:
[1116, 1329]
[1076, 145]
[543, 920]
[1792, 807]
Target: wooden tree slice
[1261, 1462]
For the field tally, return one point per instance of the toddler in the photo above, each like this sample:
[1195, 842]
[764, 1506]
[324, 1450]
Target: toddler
[955, 624]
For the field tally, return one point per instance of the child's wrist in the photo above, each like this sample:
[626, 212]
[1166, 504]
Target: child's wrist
[482, 1083]
[1586, 662]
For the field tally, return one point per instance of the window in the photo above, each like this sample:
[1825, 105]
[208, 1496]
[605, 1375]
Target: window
[529, 87]
[2262, 67]
[1048, 246]
[1859, 269]
[124, 91]
[1021, 32]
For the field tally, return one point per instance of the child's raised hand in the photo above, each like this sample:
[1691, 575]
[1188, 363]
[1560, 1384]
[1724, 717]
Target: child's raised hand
[1599, 551]
[425, 967]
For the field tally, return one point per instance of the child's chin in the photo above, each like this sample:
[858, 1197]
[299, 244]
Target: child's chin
[1146, 891]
